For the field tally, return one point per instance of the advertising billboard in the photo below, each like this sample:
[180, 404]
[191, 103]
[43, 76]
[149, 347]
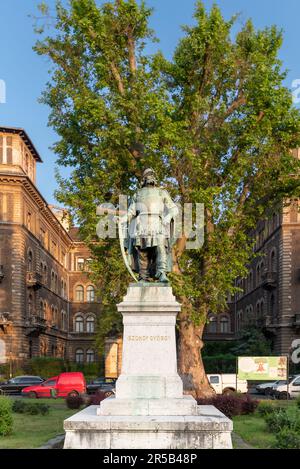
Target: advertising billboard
[262, 368]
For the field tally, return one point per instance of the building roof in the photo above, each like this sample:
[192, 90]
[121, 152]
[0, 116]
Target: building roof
[25, 138]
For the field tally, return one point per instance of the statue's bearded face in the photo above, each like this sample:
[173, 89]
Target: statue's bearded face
[149, 180]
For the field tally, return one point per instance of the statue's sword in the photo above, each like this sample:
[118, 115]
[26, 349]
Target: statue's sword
[125, 258]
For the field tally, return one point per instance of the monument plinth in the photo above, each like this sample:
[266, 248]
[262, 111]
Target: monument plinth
[149, 410]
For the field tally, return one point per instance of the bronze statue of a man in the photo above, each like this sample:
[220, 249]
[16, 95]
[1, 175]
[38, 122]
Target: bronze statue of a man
[150, 218]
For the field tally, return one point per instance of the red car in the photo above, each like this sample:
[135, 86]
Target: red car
[65, 384]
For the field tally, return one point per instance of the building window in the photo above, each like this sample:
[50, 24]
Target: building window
[45, 310]
[52, 281]
[62, 288]
[9, 150]
[53, 248]
[273, 261]
[90, 356]
[90, 324]
[30, 305]
[42, 236]
[30, 261]
[90, 293]
[212, 325]
[79, 324]
[28, 220]
[79, 293]
[63, 320]
[224, 325]
[80, 263]
[79, 355]
[45, 275]
[87, 265]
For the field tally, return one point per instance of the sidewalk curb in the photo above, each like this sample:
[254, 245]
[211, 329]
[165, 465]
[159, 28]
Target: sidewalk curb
[54, 443]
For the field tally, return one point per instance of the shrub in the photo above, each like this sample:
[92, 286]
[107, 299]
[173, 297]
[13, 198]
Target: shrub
[277, 421]
[29, 408]
[231, 404]
[287, 439]
[249, 405]
[19, 406]
[74, 402]
[265, 408]
[6, 419]
[298, 402]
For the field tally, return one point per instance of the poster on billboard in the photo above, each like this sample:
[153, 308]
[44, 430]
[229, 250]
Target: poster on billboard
[262, 368]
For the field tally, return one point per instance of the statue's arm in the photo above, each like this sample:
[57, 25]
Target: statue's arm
[131, 212]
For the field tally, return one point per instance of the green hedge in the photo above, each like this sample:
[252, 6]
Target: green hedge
[220, 363]
[6, 419]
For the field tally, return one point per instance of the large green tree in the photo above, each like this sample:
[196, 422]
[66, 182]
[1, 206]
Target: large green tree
[215, 122]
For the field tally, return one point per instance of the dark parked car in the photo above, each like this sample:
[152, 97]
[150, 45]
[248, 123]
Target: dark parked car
[15, 385]
[107, 385]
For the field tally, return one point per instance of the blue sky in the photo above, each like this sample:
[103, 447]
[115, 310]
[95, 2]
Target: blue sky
[25, 73]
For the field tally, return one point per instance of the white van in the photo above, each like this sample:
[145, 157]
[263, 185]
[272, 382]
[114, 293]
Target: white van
[227, 383]
[280, 391]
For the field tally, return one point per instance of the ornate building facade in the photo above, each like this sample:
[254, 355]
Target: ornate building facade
[48, 305]
[270, 295]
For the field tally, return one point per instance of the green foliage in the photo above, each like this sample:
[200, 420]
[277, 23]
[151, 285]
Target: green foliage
[222, 363]
[252, 342]
[287, 439]
[30, 408]
[216, 122]
[265, 408]
[6, 419]
[280, 420]
[298, 402]
[45, 366]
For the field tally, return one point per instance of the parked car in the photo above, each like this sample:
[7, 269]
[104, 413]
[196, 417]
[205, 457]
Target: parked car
[290, 389]
[14, 386]
[107, 385]
[65, 384]
[265, 388]
[227, 383]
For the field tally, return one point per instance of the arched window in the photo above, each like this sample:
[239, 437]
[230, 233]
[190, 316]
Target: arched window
[30, 261]
[62, 288]
[273, 261]
[224, 325]
[90, 356]
[79, 324]
[258, 275]
[52, 280]
[30, 304]
[45, 275]
[90, 324]
[239, 320]
[63, 320]
[79, 355]
[90, 291]
[212, 325]
[79, 293]
[250, 281]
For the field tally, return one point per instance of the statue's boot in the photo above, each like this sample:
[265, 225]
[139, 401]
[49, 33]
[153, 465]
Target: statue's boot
[163, 278]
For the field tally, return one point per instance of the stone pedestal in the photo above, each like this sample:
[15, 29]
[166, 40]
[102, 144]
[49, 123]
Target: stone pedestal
[149, 409]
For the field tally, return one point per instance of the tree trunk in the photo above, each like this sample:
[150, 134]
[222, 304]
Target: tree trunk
[190, 364]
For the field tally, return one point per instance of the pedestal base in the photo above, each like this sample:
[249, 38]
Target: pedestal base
[209, 429]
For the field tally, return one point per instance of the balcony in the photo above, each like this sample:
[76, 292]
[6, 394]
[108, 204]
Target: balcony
[269, 280]
[34, 280]
[4, 321]
[36, 325]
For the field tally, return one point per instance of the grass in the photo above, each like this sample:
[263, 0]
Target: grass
[253, 430]
[32, 431]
